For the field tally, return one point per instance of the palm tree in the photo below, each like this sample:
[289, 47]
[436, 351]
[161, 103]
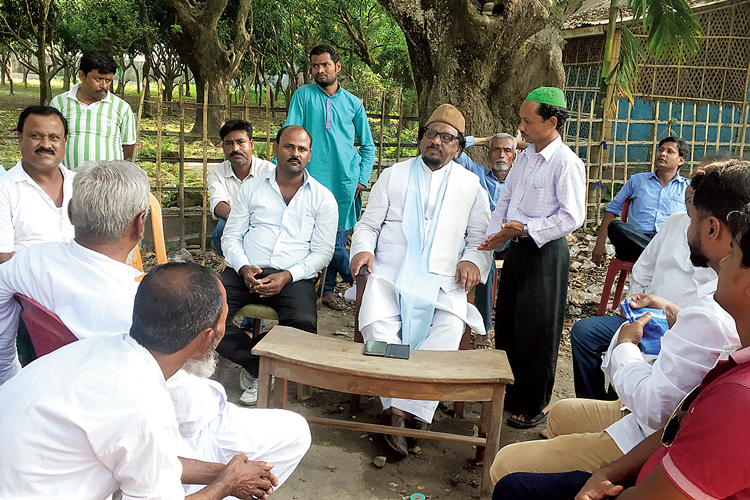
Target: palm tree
[672, 31]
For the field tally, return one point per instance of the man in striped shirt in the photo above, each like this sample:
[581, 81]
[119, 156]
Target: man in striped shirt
[102, 126]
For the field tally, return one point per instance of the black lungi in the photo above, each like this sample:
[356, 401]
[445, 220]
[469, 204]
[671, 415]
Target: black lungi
[530, 310]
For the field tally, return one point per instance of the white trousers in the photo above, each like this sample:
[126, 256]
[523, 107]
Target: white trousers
[214, 430]
[445, 334]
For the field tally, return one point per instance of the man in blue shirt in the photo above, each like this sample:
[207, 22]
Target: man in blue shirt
[502, 155]
[653, 196]
[334, 117]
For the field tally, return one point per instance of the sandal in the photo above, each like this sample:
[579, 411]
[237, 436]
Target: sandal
[514, 422]
[336, 303]
[483, 341]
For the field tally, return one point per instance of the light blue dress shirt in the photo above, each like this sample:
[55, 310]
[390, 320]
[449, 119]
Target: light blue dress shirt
[486, 178]
[651, 203]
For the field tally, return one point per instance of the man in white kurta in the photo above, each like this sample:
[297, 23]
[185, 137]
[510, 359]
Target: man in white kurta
[93, 293]
[455, 215]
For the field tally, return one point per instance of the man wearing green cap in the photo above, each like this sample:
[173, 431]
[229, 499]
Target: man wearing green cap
[543, 200]
[418, 237]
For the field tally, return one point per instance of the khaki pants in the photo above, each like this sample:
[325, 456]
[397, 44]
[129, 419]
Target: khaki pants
[577, 441]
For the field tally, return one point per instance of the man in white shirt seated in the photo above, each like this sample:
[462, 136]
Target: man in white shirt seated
[225, 179]
[425, 219]
[280, 234]
[88, 285]
[34, 195]
[95, 416]
[663, 269]
[587, 433]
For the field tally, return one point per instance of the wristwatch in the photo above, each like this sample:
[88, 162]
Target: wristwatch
[525, 233]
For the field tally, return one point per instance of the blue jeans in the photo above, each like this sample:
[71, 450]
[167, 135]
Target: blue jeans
[538, 486]
[483, 298]
[339, 264]
[216, 235]
[589, 338]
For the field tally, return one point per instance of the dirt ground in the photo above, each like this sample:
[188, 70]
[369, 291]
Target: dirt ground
[340, 462]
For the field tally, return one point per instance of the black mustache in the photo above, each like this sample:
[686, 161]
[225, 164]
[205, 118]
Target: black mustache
[45, 150]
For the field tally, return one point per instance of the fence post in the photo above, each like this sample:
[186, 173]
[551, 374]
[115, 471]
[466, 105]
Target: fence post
[159, 117]
[269, 154]
[205, 167]
[400, 122]
[382, 130]
[181, 186]
[138, 122]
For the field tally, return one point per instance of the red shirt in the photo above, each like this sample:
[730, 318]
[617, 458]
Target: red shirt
[710, 456]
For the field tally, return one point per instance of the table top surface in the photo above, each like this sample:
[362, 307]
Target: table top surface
[346, 357]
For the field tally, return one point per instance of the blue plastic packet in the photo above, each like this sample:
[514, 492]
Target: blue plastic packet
[654, 329]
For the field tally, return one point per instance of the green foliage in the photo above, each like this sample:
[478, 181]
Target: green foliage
[110, 24]
[626, 71]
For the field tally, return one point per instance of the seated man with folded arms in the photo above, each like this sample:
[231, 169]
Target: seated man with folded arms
[654, 197]
[34, 195]
[663, 269]
[702, 450]
[95, 415]
[92, 291]
[280, 234]
[225, 179]
[588, 433]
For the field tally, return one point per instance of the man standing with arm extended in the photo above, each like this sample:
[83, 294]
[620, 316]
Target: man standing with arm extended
[543, 200]
[225, 179]
[279, 235]
[334, 118]
[102, 126]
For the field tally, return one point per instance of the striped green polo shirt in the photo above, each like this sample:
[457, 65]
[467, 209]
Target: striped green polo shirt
[96, 131]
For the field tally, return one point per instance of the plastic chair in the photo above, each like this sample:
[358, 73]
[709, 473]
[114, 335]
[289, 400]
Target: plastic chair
[46, 330]
[157, 228]
[615, 266]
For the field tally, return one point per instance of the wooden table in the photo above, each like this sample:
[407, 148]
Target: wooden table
[339, 365]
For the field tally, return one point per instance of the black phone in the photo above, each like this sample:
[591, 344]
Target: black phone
[375, 348]
[382, 349]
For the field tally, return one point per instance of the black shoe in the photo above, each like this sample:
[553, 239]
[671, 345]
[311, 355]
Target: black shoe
[419, 425]
[395, 443]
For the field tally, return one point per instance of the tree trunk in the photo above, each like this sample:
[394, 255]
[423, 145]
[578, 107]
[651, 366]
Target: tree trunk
[484, 65]
[212, 63]
[45, 90]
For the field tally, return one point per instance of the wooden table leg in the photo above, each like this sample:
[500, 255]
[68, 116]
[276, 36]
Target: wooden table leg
[493, 426]
[264, 383]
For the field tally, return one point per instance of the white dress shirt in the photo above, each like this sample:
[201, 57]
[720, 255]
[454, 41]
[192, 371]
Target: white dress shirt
[28, 215]
[223, 183]
[86, 419]
[544, 190]
[71, 280]
[264, 231]
[664, 267]
[688, 351]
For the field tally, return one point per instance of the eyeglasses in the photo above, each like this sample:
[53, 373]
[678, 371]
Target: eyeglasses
[675, 420]
[444, 136]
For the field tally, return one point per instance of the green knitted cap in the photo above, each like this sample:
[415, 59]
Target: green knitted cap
[548, 95]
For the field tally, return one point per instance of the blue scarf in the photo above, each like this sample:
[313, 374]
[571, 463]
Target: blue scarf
[416, 287]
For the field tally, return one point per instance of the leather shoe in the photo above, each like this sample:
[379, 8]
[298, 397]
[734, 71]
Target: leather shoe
[419, 425]
[395, 443]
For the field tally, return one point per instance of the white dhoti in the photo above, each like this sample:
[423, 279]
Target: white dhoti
[379, 319]
[214, 430]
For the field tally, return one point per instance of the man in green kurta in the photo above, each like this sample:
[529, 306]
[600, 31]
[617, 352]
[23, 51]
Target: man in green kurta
[334, 118]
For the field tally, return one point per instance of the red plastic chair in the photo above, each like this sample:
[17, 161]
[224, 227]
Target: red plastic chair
[615, 266]
[47, 332]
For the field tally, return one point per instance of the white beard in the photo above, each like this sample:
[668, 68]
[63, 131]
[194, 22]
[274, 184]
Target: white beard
[202, 367]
